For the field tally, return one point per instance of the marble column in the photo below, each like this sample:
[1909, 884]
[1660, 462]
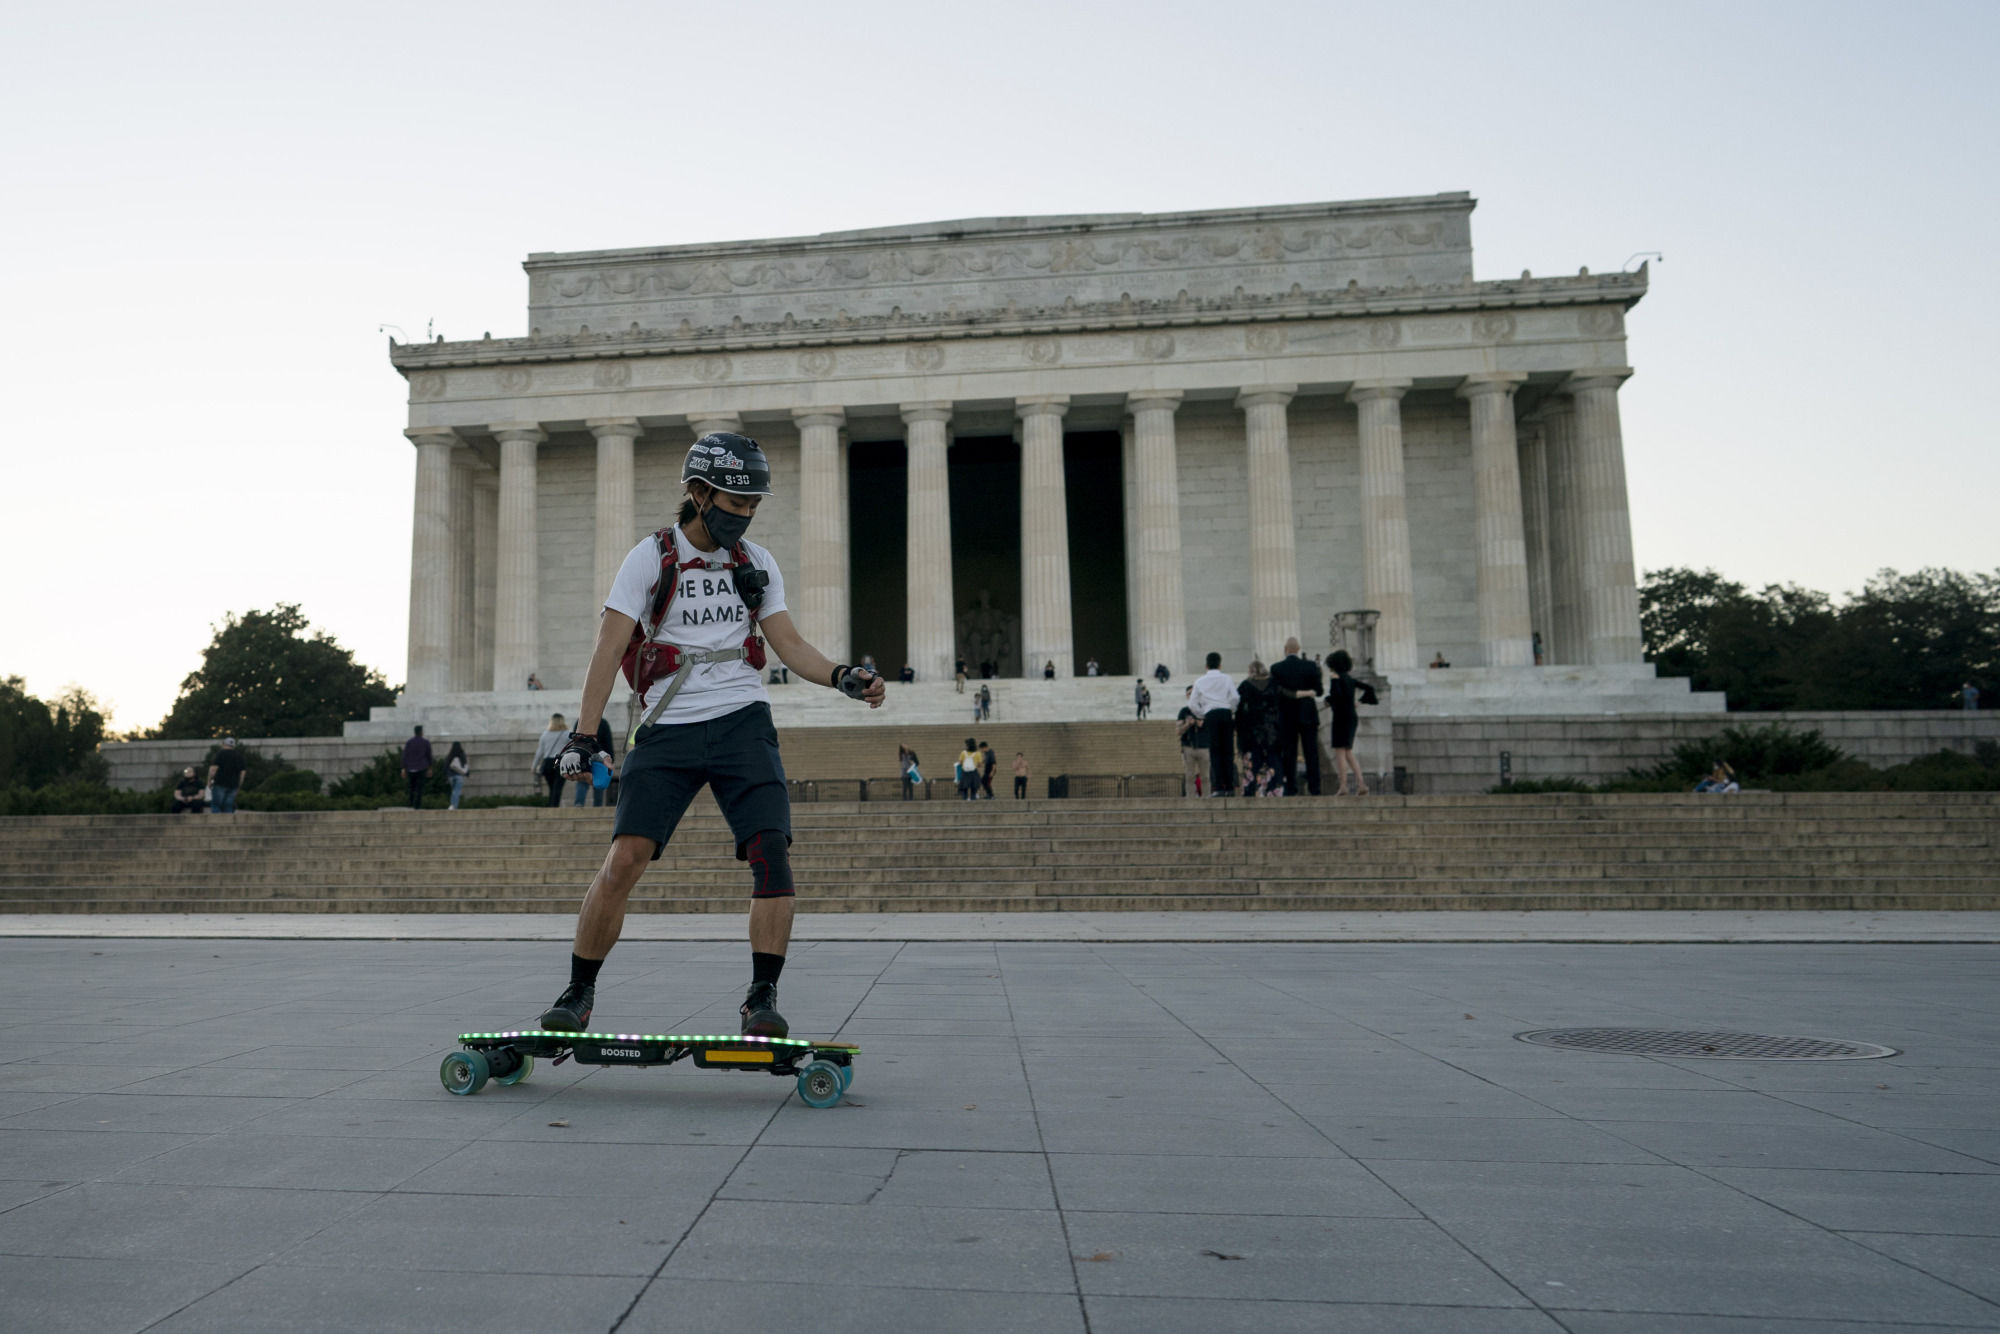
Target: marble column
[1161, 617]
[613, 520]
[819, 606]
[517, 626]
[1388, 583]
[930, 634]
[485, 574]
[465, 466]
[1274, 565]
[429, 670]
[1610, 582]
[1500, 550]
[1535, 534]
[1566, 603]
[1046, 634]
[1127, 474]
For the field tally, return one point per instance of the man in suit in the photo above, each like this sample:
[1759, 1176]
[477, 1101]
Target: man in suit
[1298, 681]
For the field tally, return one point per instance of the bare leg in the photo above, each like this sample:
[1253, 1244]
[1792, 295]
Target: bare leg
[770, 925]
[603, 915]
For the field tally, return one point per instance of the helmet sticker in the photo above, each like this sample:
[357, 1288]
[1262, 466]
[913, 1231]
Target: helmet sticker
[728, 460]
[698, 463]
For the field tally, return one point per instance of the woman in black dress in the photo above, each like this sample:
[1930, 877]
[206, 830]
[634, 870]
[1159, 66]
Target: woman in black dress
[1341, 692]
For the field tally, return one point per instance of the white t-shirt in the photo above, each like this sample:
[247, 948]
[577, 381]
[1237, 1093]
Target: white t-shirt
[706, 613]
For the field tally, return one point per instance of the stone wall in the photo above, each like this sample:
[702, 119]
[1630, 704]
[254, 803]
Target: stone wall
[1454, 755]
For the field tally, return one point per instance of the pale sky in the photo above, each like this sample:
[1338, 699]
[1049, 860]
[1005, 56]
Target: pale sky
[210, 209]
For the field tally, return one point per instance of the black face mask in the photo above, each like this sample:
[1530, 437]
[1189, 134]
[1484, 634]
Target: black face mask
[726, 528]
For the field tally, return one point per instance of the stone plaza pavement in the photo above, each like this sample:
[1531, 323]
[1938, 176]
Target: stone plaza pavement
[249, 1134]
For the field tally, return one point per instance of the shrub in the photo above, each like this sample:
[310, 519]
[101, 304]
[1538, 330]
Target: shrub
[1763, 752]
[1525, 786]
[81, 799]
[383, 778]
[289, 780]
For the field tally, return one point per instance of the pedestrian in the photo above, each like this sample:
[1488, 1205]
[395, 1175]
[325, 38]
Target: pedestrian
[1214, 698]
[968, 771]
[1090, 667]
[190, 798]
[1968, 696]
[985, 702]
[1049, 670]
[416, 765]
[1141, 700]
[1020, 775]
[908, 675]
[225, 776]
[535, 682]
[906, 767]
[1437, 659]
[1194, 746]
[688, 618]
[1299, 684]
[1160, 672]
[547, 749]
[456, 767]
[1259, 704]
[988, 762]
[1342, 690]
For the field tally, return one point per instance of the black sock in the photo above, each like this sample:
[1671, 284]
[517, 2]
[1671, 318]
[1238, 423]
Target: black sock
[582, 971]
[766, 967]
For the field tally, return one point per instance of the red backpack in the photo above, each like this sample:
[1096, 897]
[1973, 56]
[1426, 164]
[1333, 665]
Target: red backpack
[647, 660]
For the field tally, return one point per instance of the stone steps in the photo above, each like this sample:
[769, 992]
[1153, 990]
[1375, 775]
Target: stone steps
[1832, 851]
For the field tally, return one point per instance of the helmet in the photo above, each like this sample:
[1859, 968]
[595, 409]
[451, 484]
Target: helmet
[729, 462]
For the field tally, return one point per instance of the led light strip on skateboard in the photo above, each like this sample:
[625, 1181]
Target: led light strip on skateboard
[507, 1057]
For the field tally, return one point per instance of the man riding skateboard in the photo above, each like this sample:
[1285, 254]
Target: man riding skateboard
[686, 620]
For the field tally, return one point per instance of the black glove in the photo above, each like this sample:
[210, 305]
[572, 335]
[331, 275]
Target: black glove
[575, 758]
[852, 681]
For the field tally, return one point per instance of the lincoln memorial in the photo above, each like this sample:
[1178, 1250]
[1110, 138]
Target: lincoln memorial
[1128, 438]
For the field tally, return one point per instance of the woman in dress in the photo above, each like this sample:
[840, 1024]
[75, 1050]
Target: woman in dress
[1342, 691]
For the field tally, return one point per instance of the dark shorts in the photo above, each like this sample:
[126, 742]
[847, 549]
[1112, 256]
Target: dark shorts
[736, 755]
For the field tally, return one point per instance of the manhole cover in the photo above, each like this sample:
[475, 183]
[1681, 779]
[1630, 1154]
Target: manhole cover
[1705, 1046]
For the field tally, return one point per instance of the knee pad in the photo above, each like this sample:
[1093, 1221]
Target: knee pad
[769, 854]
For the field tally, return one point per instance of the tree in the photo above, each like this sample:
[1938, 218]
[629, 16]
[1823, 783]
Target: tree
[261, 676]
[1903, 642]
[1676, 607]
[42, 744]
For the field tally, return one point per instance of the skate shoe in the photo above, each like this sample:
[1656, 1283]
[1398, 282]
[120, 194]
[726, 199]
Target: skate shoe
[760, 1012]
[571, 1012]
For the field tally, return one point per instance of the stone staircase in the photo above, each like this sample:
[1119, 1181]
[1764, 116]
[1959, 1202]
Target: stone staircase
[1838, 851]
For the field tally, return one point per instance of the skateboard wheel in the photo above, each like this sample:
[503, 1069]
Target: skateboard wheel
[519, 1072]
[846, 1077]
[463, 1072]
[820, 1084]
